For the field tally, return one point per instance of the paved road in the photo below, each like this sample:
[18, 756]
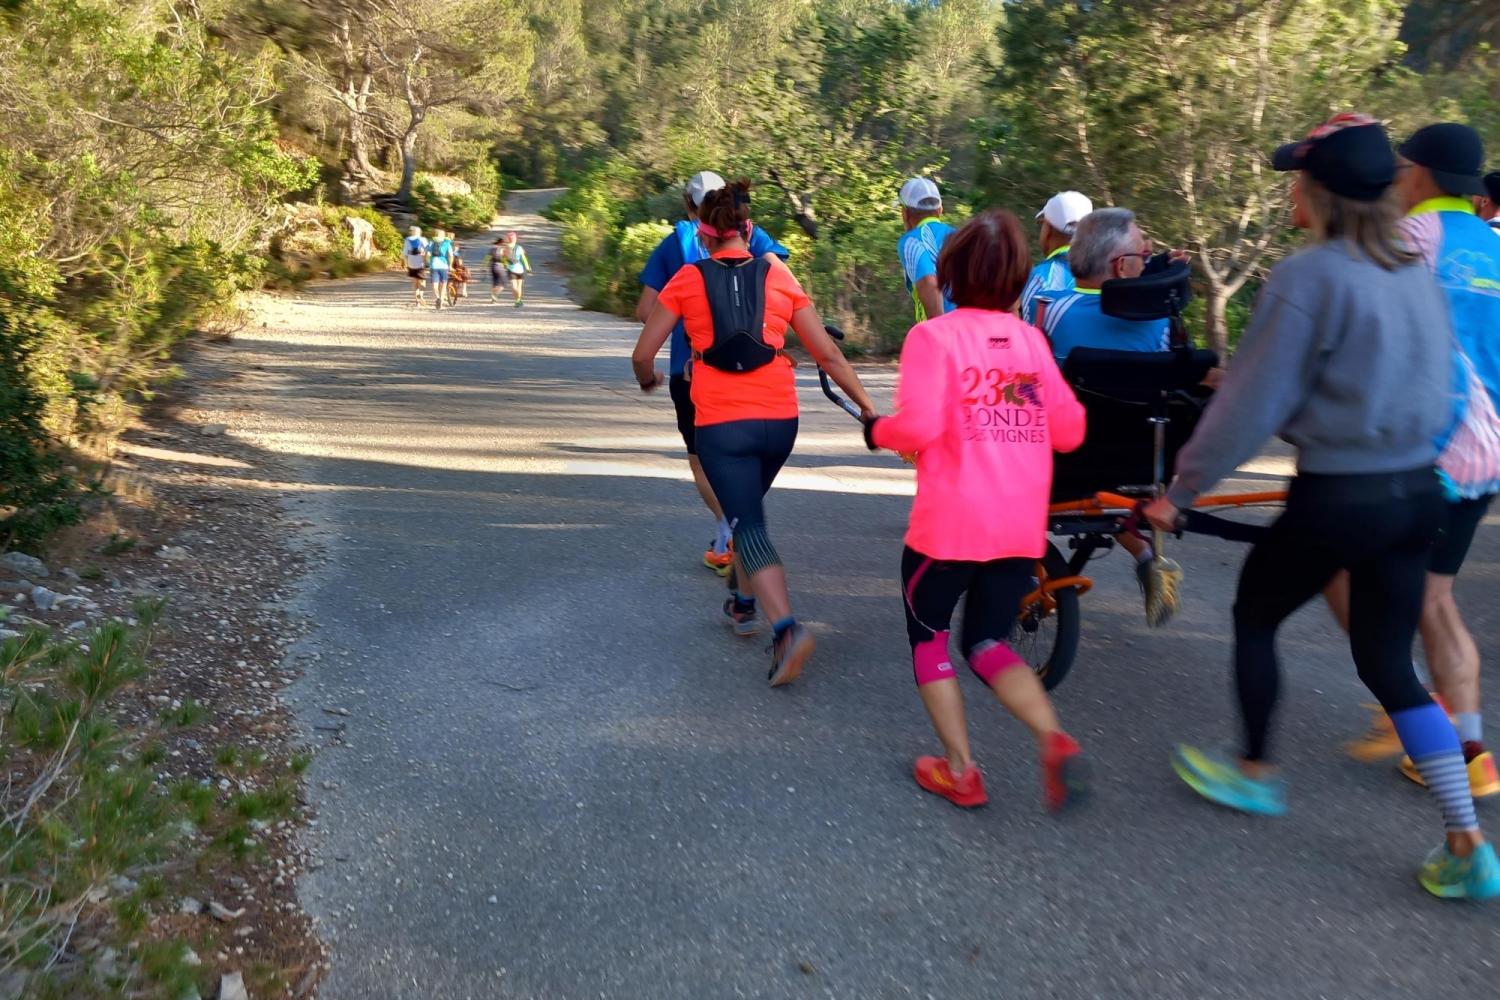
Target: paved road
[563, 778]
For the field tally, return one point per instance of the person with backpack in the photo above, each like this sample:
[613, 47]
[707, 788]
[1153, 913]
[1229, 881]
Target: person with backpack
[414, 253]
[498, 259]
[736, 309]
[518, 265]
[440, 257]
[682, 246]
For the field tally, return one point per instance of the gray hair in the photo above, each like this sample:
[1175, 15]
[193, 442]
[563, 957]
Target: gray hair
[1102, 235]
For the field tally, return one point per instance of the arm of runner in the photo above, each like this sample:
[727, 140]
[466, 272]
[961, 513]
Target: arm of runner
[930, 295]
[646, 303]
[654, 277]
[1274, 370]
[827, 356]
[924, 396]
[655, 333]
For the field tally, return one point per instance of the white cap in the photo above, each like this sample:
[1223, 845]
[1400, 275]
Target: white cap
[921, 194]
[1065, 210]
[701, 183]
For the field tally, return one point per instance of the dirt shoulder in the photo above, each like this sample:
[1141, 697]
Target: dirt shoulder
[198, 517]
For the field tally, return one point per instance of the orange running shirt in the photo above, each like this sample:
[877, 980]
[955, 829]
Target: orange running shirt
[768, 392]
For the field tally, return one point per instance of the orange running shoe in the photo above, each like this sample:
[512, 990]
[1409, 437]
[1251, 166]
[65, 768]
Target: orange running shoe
[1378, 743]
[965, 791]
[720, 563]
[1062, 772]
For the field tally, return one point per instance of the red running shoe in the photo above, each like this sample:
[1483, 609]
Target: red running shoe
[1062, 772]
[966, 790]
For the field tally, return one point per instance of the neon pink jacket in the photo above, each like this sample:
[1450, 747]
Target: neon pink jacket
[983, 405]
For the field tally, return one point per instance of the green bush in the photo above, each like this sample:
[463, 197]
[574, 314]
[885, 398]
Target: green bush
[464, 212]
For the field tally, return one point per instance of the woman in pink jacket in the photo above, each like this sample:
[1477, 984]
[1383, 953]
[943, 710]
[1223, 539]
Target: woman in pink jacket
[982, 404]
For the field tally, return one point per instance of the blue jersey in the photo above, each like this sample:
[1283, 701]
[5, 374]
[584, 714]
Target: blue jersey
[442, 255]
[919, 247]
[1051, 275]
[1076, 319]
[681, 247]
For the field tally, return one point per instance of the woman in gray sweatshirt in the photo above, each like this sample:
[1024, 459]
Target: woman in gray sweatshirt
[1349, 358]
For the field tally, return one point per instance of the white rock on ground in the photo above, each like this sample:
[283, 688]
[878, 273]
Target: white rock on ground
[232, 987]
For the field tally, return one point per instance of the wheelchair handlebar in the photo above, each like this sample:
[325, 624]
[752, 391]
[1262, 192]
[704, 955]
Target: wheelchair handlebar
[827, 384]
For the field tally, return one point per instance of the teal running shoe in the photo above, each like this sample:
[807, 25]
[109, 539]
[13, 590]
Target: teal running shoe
[1219, 780]
[1450, 877]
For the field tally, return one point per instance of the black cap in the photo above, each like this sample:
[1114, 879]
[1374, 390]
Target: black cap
[1349, 154]
[1454, 154]
[1492, 186]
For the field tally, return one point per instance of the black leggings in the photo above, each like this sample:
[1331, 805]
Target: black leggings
[741, 459]
[1379, 527]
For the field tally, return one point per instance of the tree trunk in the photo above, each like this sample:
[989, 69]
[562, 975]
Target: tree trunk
[358, 166]
[1216, 304]
[408, 165]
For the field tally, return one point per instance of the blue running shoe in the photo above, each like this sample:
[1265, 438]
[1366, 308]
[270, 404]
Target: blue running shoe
[1219, 780]
[1450, 877]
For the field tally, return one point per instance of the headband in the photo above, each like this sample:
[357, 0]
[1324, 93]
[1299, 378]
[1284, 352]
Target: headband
[713, 233]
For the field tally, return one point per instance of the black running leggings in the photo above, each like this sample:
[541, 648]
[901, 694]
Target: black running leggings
[1379, 527]
[741, 459]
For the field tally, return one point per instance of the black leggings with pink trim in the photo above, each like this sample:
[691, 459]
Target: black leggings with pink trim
[992, 593]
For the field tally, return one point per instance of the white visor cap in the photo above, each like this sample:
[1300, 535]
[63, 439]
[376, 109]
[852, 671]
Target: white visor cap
[1065, 210]
[921, 194]
[700, 184]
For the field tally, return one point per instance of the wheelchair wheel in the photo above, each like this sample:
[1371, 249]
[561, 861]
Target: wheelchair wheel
[1046, 632]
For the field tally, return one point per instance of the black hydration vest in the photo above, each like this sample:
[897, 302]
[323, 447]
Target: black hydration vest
[736, 290]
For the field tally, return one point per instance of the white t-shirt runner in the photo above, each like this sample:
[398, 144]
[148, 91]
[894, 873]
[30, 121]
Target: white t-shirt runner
[415, 249]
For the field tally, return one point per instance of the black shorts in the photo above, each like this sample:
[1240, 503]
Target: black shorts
[681, 391]
[1452, 545]
[416, 273]
[992, 593]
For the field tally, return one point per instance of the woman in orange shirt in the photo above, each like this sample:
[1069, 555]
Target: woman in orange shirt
[736, 309]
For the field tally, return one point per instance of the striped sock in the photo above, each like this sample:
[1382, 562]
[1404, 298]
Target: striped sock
[1432, 744]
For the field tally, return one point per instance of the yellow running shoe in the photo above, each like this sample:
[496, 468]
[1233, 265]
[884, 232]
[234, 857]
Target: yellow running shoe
[1378, 743]
[1484, 777]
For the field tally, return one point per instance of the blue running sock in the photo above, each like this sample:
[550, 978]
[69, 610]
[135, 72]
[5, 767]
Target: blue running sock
[721, 543]
[742, 603]
[1470, 727]
[779, 628]
[1431, 742]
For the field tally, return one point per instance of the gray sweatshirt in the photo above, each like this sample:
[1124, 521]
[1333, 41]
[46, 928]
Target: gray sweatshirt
[1350, 363]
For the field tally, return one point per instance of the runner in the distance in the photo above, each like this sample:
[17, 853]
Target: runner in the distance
[737, 309]
[967, 469]
[919, 246]
[680, 247]
[497, 259]
[440, 258]
[1349, 356]
[518, 265]
[1059, 218]
[414, 252]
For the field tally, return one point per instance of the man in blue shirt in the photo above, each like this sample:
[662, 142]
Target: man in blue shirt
[677, 249]
[1108, 244]
[1059, 219]
[919, 246]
